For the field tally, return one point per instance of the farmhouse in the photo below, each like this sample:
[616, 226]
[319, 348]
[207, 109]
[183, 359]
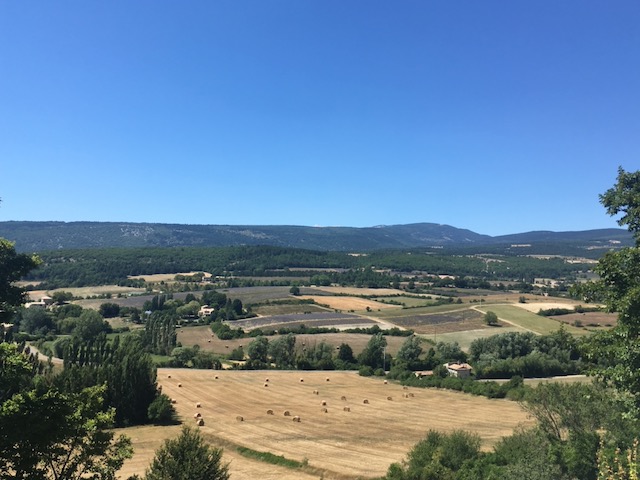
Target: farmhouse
[205, 311]
[457, 369]
[40, 304]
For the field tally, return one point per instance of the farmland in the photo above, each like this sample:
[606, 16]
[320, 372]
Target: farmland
[201, 336]
[337, 444]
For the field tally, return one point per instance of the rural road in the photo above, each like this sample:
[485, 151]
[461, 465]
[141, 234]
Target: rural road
[43, 357]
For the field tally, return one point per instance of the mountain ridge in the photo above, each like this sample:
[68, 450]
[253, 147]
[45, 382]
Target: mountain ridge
[35, 236]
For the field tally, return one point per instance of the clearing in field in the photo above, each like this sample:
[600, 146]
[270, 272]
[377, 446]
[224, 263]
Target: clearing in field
[351, 439]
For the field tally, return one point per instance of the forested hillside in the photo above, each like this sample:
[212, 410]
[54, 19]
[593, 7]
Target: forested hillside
[41, 236]
[75, 268]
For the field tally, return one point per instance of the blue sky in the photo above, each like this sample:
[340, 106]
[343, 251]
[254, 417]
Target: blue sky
[500, 117]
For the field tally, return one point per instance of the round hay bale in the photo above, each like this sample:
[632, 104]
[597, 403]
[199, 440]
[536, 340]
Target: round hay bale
[365, 401]
[240, 418]
[343, 398]
[327, 379]
[347, 409]
[209, 340]
[168, 376]
[385, 382]
[315, 392]
[411, 394]
[405, 395]
[200, 422]
[266, 379]
[324, 410]
[174, 401]
[215, 377]
[269, 412]
[301, 380]
[179, 385]
[324, 402]
[405, 388]
[266, 384]
[296, 419]
[287, 413]
[198, 405]
[389, 398]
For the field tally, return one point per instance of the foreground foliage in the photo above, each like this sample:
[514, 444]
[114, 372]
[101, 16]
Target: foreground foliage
[187, 457]
[47, 434]
[13, 266]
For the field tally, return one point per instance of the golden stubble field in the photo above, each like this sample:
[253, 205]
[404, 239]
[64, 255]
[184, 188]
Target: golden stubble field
[359, 443]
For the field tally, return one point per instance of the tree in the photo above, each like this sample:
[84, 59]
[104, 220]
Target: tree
[410, 352]
[257, 352]
[109, 310]
[187, 457]
[282, 351]
[126, 369]
[616, 352]
[13, 266]
[17, 370]
[490, 318]
[161, 411]
[345, 353]
[373, 354]
[60, 297]
[89, 326]
[437, 457]
[52, 435]
[624, 197]
[36, 321]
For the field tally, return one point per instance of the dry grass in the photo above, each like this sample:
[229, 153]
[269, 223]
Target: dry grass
[347, 304]
[535, 306]
[361, 291]
[360, 443]
[85, 292]
[164, 277]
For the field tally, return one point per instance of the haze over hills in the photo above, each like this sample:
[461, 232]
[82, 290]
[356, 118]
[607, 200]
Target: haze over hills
[42, 236]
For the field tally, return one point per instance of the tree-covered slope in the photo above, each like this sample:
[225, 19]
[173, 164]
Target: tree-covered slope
[41, 236]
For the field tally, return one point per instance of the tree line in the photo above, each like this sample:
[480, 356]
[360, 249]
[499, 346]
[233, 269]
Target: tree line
[76, 268]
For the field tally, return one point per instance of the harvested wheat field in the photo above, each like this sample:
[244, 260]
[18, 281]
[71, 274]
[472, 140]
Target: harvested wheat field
[380, 424]
[348, 303]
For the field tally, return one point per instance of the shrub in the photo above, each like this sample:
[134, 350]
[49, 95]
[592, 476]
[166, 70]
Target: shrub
[161, 411]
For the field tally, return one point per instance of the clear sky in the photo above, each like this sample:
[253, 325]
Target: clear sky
[497, 116]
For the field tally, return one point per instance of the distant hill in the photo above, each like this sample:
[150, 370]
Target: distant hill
[42, 236]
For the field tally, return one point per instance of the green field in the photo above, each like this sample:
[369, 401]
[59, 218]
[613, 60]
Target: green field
[396, 313]
[529, 321]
